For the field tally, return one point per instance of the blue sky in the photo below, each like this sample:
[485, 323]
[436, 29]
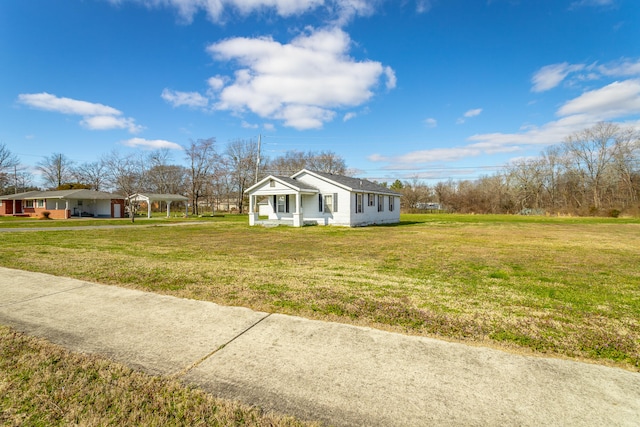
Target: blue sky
[434, 89]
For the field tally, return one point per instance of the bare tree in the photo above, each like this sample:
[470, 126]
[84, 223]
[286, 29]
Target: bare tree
[592, 151]
[93, 174]
[319, 161]
[56, 170]
[326, 161]
[8, 164]
[287, 164]
[202, 158]
[127, 175]
[240, 160]
[163, 176]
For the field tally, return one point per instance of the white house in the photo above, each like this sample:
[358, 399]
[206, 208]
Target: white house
[309, 197]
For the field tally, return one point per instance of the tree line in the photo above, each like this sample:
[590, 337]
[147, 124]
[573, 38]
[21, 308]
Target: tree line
[592, 172]
[213, 177]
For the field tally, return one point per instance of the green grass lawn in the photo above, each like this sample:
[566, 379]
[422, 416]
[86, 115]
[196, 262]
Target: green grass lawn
[42, 384]
[554, 286]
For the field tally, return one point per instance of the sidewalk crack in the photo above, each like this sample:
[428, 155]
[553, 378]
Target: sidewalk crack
[45, 295]
[186, 370]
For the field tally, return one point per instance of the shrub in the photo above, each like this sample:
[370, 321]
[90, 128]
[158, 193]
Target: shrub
[46, 215]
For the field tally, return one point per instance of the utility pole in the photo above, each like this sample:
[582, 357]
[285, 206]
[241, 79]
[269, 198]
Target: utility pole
[258, 157]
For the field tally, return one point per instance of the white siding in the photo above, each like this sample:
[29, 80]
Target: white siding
[346, 213]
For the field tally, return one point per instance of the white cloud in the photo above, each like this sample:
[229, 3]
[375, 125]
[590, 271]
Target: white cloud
[110, 122]
[471, 113]
[46, 101]
[591, 3]
[349, 116]
[248, 125]
[423, 6]
[339, 11]
[622, 68]
[188, 99]
[431, 122]
[391, 78]
[95, 116]
[151, 144]
[301, 83]
[216, 83]
[617, 99]
[550, 76]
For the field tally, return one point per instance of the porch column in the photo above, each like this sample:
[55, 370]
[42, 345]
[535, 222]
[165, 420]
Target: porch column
[168, 209]
[67, 213]
[148, 208]
[297, 215]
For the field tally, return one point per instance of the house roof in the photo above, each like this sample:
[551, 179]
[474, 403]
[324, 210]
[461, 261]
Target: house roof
[63, 194]
[289, 182]
[350, 183]
[160, 197]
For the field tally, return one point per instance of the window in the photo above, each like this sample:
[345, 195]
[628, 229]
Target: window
[328, 203]
[28, 203]
[282, 204]
[371, 199]
[41, 203]
[272, 183]
[391, 203]
[380, 203]
[359, 203]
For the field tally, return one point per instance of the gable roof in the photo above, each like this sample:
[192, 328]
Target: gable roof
[285, 180]
[349, 183]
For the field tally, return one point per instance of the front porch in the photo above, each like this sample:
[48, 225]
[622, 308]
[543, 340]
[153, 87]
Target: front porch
[287, 222]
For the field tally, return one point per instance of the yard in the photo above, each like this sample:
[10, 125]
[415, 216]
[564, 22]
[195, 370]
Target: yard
[565, 287]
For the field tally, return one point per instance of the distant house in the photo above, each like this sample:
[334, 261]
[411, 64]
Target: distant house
[309, 197]
[63, 204]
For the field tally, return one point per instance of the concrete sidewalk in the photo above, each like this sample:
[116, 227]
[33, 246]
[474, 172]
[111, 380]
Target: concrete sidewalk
[336, 373]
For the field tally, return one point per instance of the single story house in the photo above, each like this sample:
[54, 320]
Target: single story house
[63, 204]
[309, 197]
[150, 198]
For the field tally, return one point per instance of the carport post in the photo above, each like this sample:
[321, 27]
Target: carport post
[168, 208]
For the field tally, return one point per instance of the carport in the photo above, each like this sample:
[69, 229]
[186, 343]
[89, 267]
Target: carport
[149, 198]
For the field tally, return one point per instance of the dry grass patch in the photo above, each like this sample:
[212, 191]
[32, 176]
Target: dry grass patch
[556, 286]
[42, 384]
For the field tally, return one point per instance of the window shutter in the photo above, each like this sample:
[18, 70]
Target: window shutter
[275, 203]
[319, 202]
[335, 202]
[286, 201]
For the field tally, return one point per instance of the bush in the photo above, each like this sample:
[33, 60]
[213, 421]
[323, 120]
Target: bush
[46, 215]
[614, 213]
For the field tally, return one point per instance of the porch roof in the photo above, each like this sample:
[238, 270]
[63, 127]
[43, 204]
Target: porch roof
[151, 197]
